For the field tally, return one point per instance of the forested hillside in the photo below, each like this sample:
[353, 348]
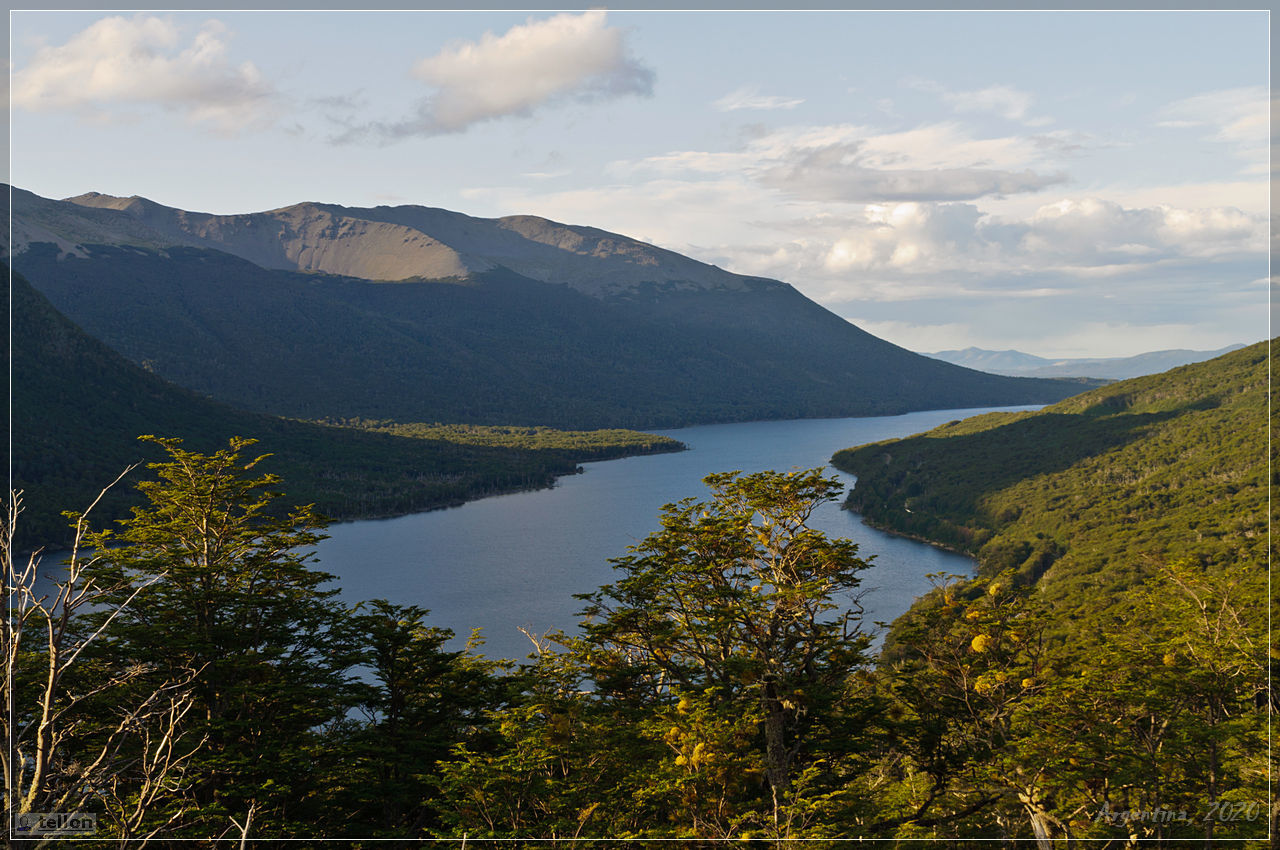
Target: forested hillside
[1123, 532]
[78, 408]
[1086, 496]
[414, 314]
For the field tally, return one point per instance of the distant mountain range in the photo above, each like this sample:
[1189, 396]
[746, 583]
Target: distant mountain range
[1112, 368]
[419, 314]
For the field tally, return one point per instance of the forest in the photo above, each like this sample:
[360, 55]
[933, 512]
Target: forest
[78, 408]
[314, 345]
[195, 677]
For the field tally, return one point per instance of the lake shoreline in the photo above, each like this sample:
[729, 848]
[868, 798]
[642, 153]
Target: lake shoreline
[338, 519]
[919, 538]
[519, 561]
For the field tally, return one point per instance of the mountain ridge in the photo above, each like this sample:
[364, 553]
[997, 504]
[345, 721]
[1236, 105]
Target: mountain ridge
[412, 242]
[536, 323]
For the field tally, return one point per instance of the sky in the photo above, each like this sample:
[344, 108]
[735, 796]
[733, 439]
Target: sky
[1068, 184]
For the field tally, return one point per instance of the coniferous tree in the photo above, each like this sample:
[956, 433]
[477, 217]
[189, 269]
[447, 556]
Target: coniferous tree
[226, 589]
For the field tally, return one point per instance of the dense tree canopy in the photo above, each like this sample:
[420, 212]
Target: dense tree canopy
[721, 687]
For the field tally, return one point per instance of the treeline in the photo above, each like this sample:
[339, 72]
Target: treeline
[577, 446]
[206, 683]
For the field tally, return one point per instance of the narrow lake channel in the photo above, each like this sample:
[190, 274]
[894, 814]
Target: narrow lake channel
[514, 561]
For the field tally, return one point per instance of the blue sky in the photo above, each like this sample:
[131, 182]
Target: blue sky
[1068, 184]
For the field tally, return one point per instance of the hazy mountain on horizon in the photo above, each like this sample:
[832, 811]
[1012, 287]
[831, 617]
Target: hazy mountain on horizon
[425, 315]
[1021, 364]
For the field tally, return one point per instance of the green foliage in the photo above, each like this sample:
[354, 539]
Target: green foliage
[718, 689]
[1081, 496]
[223, 587]
[711, 693]
[1124, 528]
[275, 708]
[1104, 678]
[572, 446]
[417, 702]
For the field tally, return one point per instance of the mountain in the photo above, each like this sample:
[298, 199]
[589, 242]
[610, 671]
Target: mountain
[78, 408]
[421, 243]
[1086, 496]
[1006, 362]
[420, 314]
[1113, 368]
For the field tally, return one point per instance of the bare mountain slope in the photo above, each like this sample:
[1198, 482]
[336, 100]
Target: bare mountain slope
[302, 237]
[414, 242]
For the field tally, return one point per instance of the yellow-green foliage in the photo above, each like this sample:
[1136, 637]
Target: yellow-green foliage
[1084, 496]
[601, 444]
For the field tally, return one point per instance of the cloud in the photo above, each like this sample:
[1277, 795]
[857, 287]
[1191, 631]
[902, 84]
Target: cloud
[563, 58]
[1237, 117]
[750, 98]
[1005, 101]
[834, 173]
[141, 61]
[1094, 232]
[911, 250]
[1002, 100]
[857, 164]
[851, 212]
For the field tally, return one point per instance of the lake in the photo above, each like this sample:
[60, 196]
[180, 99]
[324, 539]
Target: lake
[515, 561]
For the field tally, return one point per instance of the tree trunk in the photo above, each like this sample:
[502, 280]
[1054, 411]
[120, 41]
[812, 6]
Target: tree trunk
[777, 758]
[1040, 818]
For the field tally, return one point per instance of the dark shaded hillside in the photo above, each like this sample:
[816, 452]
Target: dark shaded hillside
[498, 348]
[1088, 495]
[78, 408]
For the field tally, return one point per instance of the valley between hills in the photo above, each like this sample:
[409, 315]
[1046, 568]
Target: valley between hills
[404, 315]
[1109, 654]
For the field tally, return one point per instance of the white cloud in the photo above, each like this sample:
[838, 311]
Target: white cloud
[837, 173]
[1236, 117]
[1094, 232]
[749, 97]
[1005, 101]
[565, 57]
[142, 61]
[911, 250]
[901, 250]
[851, 163]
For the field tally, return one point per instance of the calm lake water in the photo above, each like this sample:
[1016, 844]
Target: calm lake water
[514, 561]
